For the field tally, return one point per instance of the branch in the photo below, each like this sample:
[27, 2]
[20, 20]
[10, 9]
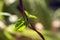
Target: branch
[25, 16]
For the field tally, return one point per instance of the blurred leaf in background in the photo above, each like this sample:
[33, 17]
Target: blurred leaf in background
[1, 5]
[1, 9]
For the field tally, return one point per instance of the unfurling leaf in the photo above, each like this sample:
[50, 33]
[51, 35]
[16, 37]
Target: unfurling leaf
[21, 24]
[30, 16]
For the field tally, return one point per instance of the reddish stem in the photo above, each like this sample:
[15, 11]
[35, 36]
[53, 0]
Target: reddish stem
[25, 16]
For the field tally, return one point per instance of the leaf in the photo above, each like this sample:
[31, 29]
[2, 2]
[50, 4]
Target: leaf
[8, 35]
[21, 24]
[30, 16]
[21, 28]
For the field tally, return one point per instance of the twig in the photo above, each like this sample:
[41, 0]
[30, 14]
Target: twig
[25, 16]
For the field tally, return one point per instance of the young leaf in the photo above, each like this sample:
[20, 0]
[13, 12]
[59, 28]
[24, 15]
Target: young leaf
[21, 28]
[30, 16]
[21, 24]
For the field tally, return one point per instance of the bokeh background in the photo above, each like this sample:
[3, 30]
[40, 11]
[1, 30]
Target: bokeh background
[47, 22]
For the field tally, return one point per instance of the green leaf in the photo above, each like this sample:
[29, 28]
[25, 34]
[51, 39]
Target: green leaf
[30, 16]
[8, 35]
[21, 24]
[21, 28]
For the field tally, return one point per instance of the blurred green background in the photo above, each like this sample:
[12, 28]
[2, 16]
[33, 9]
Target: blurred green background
[47, 22]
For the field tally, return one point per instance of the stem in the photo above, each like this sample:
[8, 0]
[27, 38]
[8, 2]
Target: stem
[33, 28]
[25, 16]
[22, 9]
